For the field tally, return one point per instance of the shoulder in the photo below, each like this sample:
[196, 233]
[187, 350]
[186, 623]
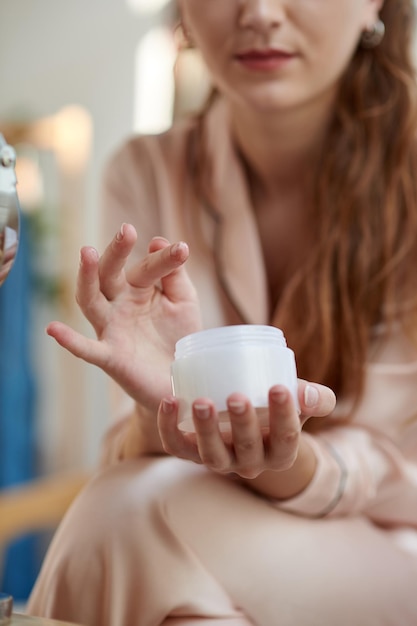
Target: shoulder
[166, 154]
[143, 182]
[147, 154]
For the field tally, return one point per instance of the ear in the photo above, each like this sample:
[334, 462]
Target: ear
[372, 10]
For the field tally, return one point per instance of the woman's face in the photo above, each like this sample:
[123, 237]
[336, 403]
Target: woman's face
[274, 54]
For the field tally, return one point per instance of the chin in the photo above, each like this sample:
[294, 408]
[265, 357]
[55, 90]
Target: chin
[270, 101]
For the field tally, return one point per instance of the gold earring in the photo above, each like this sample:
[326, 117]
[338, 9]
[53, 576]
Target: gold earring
[372, 36]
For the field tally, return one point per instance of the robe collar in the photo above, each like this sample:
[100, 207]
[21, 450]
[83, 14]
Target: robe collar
[238, 251]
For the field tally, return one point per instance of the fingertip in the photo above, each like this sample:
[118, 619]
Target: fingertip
[317, 398]
[311, 396]
[50, 328]
[158, 243]
[88, 254]
[167, 423]
[179, 251]
[168, 405]
[279, 394]
[168, 414]
[126, 231]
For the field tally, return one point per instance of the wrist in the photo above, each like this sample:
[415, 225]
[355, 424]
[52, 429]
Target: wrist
[137, 435]
[147, 430]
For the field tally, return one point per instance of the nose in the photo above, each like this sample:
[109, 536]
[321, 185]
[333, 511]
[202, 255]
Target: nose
[261, 15]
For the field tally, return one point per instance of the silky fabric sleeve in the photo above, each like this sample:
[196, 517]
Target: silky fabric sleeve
[129, 194]
[369, 465]
[356, 472]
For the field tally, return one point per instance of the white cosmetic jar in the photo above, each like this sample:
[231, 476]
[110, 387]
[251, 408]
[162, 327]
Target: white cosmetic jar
[217, 362]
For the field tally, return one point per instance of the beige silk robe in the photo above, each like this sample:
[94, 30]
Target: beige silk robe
[171, 538]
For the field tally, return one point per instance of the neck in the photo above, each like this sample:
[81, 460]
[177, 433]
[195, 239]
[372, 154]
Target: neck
[280, 148]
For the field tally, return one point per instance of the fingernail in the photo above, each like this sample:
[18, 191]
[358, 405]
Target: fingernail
[237, 407]
[279, 395]
[202, 411]
[178, 247]
[311, 396]
[167, 406]
[121, 233]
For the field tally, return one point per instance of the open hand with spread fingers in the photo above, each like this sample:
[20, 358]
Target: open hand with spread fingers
[137, 314]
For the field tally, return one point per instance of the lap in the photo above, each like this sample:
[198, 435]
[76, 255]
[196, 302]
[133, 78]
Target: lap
[181, 541]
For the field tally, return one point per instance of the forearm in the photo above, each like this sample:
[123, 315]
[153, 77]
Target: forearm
[281, 485]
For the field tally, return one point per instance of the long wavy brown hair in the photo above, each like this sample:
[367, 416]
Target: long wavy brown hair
[362, 271]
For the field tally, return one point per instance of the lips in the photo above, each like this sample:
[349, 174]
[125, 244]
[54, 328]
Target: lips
[266, 59]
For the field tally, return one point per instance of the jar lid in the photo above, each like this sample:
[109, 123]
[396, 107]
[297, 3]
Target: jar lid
[227, 336]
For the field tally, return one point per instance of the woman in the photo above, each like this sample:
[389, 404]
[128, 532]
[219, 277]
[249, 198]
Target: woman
[295, 192]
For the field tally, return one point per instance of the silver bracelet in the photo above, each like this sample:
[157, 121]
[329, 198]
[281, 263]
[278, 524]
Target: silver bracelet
[342, 483]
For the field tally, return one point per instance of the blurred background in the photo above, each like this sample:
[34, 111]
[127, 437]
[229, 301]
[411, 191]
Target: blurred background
[76, 78]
